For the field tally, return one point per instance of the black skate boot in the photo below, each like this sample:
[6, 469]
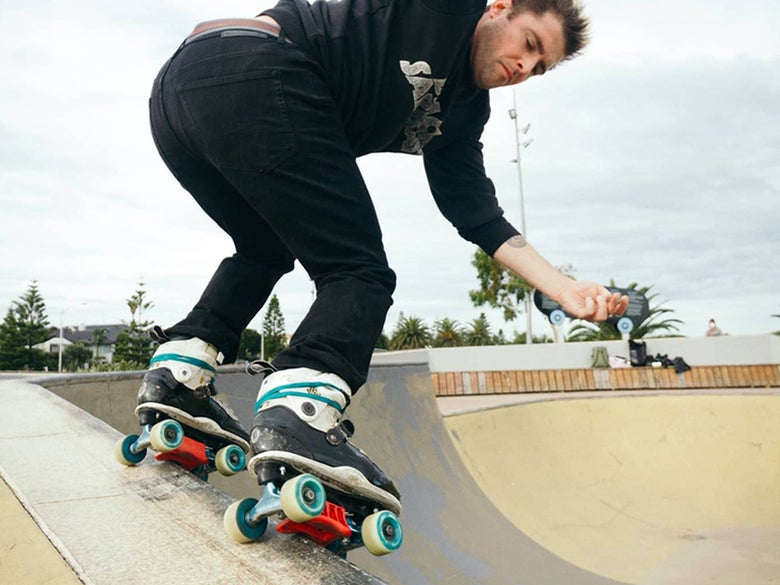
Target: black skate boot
[312, 477]
[180, 417]
[298, 418]
[180, 385]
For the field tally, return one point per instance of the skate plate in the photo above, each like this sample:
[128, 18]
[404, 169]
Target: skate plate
[207, 428]
[345, 480]
[337, 508]
[175, 442]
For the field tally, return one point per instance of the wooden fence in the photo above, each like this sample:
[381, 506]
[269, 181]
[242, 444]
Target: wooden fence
[588, 379]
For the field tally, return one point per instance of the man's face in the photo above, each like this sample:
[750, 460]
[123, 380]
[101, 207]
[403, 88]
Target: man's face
[506, 52]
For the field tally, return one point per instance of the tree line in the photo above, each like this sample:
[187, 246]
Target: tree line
[26, 325]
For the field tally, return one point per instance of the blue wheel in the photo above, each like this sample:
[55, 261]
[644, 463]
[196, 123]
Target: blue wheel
[124, 454]
[303, 498]
[236, 524]
[382, 533]
[166, 436]
[625, 325]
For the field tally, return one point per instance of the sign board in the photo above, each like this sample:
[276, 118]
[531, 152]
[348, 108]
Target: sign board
[637, 311]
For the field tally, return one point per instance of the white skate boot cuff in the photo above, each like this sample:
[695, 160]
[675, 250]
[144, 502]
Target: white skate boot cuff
[192, 362]
[298, 390]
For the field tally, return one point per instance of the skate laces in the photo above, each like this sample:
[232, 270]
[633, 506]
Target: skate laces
[287, 390]
[175, 357]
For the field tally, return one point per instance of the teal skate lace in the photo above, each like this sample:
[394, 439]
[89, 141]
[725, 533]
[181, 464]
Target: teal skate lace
[175, 357]
[290, 390]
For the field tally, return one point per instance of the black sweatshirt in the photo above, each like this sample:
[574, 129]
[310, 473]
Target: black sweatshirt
[400, 72]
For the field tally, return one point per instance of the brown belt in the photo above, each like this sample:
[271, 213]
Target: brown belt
[225, 24]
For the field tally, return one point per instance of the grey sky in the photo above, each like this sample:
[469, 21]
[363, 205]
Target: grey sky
[656, 159]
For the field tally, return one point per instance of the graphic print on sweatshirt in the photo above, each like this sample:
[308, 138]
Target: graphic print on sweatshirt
[423, 123]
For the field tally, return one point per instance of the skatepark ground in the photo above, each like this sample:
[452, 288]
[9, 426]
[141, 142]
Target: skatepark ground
[648, 488]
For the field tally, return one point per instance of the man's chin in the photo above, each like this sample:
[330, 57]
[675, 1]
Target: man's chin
[486, 83]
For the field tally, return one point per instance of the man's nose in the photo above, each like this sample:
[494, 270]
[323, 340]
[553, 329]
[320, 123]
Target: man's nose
[525, 66]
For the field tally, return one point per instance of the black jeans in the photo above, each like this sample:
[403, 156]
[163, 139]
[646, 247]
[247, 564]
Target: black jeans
[248, 126]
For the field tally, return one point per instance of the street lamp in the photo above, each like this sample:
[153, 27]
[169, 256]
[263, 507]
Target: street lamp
[520, 144]
[59, 345]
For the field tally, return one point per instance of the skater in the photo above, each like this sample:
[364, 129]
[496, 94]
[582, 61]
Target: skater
[261, 120]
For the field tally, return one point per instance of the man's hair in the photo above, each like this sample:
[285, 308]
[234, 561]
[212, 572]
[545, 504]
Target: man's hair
[575, 23]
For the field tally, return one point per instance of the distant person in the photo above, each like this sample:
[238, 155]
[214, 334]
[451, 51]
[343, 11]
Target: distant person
[262, 121]
[713, 329]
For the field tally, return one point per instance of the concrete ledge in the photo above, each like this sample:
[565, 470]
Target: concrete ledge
[128, 526]
[736, 350]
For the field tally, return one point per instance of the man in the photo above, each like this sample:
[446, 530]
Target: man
[261, 120]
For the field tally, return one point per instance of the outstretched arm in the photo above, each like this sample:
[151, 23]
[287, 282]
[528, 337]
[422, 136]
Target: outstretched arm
[584, 300]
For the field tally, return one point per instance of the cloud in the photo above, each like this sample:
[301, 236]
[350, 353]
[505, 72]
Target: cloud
[655, 159]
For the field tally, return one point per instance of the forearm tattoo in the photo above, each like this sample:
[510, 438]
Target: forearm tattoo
[517, 241]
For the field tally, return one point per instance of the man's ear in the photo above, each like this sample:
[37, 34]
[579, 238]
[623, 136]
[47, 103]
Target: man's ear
[498, 7]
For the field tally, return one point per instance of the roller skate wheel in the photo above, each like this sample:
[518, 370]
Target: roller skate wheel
[303, 498]
[166, 436]
[382, 533]
[124, 454]
[230, 460]
[236, 525]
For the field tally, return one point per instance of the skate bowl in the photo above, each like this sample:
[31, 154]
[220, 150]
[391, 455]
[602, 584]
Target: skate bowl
[535, 497]
[648, 488]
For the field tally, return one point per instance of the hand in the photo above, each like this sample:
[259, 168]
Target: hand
[591, 301]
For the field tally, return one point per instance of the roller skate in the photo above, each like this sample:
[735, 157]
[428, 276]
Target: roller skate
[180, 417]
[312, 478]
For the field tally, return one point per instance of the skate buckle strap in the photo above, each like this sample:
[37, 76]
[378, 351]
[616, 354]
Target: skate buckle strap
[204, 392]
[260, 367]
[158, 334]
[340, 433]
[175, 357]
[291, 390]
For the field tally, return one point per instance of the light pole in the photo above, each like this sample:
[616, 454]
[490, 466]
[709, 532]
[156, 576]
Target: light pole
[59, 345]
[520, 144]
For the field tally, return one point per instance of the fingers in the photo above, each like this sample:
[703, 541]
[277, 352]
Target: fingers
[603, 306]
[616, 304]
[594, 302]
[590, 308]
[595, 308]
[622, 304]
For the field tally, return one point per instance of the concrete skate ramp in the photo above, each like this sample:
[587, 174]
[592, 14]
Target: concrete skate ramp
[119, 526]
[453, 533]
[657, 489]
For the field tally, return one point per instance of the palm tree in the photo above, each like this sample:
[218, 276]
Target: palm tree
[98, 338]
[410, 333]
[447, 333]
[657, 321]
[479, 332]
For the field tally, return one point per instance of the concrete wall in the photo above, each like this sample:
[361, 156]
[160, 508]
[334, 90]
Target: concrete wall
[697, 351]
